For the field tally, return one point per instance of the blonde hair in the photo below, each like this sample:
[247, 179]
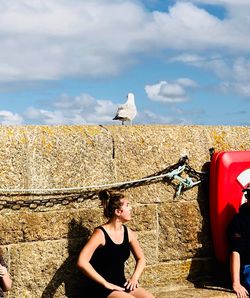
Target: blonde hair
[111, 200]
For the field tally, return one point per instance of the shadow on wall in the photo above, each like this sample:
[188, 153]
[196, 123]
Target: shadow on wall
[68, 274]
[207, 273]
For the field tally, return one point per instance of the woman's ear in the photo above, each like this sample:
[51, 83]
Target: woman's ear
[118, 212]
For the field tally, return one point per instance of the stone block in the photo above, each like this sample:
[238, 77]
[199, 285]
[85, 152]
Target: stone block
[167, 273]
[181, 230]
[143, 218]
[41, 226]
[45, 269]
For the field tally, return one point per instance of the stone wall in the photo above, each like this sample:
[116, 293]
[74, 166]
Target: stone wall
[41, 245]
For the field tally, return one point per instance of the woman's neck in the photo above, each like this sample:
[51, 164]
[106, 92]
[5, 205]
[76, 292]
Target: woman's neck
[114, 224]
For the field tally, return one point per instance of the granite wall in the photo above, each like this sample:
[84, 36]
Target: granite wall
[41, 244]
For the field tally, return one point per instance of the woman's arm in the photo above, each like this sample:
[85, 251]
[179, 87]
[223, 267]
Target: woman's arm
[84, 265]
[235, 275]
[138, 254]
[5, 279]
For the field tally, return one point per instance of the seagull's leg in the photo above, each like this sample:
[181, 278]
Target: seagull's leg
[122, 122]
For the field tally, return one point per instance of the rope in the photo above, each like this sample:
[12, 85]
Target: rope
[173, 174]
[97, 186]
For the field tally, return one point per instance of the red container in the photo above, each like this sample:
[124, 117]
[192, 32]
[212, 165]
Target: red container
[229, 174]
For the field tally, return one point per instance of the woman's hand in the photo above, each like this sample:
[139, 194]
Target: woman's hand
[131, 284]
[240, 291]
[111, 286]
[3, 270]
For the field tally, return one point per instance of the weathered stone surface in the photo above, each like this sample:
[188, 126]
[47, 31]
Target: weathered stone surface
[69, 156]
[194, 293]
[44, 269]
[149, 244]
[55, 157]
[181, 230]
[140, 146]
[144, 218]
[13, 157]
[27, 226]
[165, 273]
[41, 245]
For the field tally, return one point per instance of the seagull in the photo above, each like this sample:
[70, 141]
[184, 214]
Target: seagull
[126, 111]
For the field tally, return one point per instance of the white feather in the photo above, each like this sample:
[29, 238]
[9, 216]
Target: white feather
[127, 111]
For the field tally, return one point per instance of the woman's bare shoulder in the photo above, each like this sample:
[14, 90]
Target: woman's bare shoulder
[97, 231]
[131, 234]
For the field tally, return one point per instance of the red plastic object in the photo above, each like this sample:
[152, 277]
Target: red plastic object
[229, 174]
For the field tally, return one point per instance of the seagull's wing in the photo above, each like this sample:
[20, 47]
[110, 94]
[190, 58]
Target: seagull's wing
[120, 113]
[126, 111]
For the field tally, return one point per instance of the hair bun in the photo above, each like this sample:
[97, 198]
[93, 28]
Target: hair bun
[104, 195]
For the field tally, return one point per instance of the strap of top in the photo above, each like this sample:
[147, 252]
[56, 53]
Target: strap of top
[104, 231]
[125, 237]
[125, 234]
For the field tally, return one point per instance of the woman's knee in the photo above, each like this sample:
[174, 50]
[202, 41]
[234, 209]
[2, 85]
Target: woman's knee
[117, 294]
[142, 293]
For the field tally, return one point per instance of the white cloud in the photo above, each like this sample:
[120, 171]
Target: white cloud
[235, 76]
[187, 58]
[83, 101]
[170, 92]
[185, 82]
[222, 2]
[147, 116]
[33, 113]
[242, 89]
[82, 109]
[241, 69]
[233, 73]
[218, 64]
[9, 118]
[85, 109]
[47, 40]
[95, 38]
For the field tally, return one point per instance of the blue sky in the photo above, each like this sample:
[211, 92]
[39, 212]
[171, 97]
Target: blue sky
[74, 62]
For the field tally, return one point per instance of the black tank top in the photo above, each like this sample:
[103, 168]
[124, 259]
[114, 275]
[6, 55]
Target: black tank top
[108, 260]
